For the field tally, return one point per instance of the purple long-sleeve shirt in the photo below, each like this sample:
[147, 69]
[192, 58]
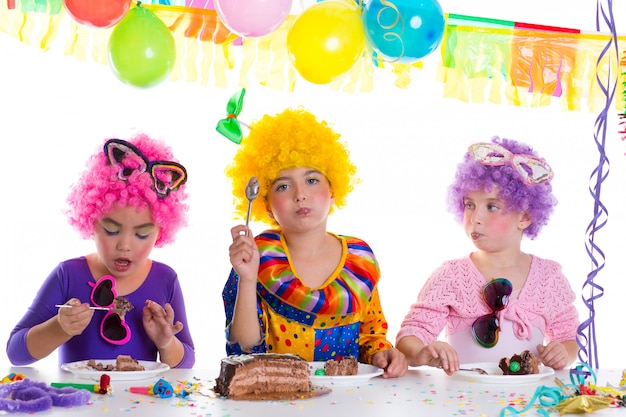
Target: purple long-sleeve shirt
[70, 279]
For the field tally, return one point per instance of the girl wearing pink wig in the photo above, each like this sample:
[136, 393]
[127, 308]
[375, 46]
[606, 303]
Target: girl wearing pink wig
[116, 300]
[498, 301]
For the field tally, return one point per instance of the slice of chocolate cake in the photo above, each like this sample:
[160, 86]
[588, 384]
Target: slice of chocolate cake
[523, 364]
[264, 376]
[123, 363]
[343, 367]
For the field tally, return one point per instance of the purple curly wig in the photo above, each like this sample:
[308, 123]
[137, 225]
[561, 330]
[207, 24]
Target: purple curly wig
[536, 200]
[99, 190]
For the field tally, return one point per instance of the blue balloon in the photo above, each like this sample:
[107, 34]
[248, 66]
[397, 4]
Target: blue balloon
[403, 30]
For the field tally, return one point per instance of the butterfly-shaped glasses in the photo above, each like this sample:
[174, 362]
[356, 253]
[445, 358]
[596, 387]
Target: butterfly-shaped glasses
[113, 328]
[486, 328]
[166, 175]
[531, 169]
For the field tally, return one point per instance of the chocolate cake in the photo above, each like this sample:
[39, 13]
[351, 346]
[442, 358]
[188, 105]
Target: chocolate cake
[123, 363]
[264, 376]
[126, 363]
[523, 364]
[121, 306]
[343, 367]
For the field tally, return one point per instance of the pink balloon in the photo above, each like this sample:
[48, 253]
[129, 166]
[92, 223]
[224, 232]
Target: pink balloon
[252, 18]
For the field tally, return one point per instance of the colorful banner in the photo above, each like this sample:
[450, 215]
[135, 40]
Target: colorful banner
[482, 59]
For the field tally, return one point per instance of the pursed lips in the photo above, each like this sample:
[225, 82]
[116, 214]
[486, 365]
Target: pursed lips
[303, 211]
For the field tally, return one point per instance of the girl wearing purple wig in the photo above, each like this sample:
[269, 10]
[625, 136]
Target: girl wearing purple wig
[116, 300]
[498, 301]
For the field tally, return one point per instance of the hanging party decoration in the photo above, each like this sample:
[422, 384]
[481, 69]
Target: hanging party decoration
[142, 52]
[524, 65]
[230, 126]
[622, 97]
[326, 40]
[252, 18]
[482, 59]
[404, 31]
[592, 290]
[97, 13]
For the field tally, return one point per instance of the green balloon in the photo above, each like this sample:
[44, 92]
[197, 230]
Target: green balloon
[142, 51]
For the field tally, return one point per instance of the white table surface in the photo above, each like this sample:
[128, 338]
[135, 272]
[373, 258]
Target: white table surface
[422, 392]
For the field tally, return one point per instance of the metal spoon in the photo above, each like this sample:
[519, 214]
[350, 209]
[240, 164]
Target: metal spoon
[480, 371]
[252, 191]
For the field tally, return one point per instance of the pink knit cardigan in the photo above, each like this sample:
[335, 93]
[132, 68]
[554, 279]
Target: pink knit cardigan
[451, 298]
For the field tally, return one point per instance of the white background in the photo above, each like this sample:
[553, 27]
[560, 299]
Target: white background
[55, 111]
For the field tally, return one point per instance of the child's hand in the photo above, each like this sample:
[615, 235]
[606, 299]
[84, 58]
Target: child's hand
[159, 323]
[74, 320]
[441, 355]
[244, 254]
[554, 355]
[392, 361]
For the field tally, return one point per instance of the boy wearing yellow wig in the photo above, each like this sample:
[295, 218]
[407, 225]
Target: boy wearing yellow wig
[297, 288]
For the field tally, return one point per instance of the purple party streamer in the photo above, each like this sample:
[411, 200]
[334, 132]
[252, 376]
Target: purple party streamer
[588, 352]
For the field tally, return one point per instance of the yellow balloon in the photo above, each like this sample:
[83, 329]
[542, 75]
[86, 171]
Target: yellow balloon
[326, 40]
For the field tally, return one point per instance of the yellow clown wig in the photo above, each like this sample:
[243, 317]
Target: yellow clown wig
[291, 139]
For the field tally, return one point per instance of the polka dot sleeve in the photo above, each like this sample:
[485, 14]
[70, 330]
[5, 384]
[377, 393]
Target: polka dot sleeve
[374, 327]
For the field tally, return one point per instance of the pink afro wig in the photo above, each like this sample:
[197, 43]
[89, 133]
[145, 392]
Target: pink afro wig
[99, 190]
[536, 200]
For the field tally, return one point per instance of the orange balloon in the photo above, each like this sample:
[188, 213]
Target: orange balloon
[326, 40]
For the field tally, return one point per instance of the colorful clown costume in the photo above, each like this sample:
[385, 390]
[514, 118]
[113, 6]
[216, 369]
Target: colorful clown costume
[341, 318]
